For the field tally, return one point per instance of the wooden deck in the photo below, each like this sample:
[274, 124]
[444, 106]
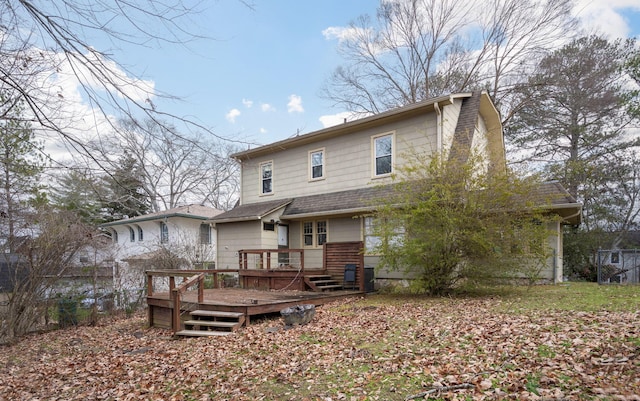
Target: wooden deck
[200, 301]
[251, 303]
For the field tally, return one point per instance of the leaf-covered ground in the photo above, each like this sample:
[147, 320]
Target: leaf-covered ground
[373, 348]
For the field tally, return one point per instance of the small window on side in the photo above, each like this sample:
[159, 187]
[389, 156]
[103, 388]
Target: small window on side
[205, 234]
[266, 178]
[615, 257]
[164, 233]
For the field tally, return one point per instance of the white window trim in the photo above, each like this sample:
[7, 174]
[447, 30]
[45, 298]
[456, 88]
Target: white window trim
[209, 239]
[164, 240]
[314, 233]
[260, 178]
[324, 164]
[392, 134]
[140, 233]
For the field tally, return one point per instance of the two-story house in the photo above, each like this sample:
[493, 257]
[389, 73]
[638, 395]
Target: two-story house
[314, 189]
[176, 238]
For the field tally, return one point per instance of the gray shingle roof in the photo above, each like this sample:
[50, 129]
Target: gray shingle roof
[344, 201]
[251, 211]
[361, 200]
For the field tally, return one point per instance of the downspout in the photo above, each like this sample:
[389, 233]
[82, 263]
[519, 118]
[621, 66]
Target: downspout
[436, 107]
[556, 259]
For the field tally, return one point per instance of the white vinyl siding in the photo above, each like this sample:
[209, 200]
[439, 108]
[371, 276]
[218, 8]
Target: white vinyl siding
[347, 161]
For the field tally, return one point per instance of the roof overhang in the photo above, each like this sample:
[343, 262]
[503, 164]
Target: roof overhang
[141, 219]
[236, 215]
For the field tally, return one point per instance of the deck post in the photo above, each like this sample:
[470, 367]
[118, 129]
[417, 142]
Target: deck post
[172, 283]
[201, 289]
[175, 313]
[149, 285]
[361, 282]
[150, 294]
[268, 260]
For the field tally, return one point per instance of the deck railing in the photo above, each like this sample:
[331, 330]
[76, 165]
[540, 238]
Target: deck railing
[190, 278]
[264, 258]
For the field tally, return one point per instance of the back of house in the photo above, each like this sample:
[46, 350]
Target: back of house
[317, 188]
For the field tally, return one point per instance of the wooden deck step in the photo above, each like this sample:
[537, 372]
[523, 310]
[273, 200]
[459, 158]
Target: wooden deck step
[328, 281]
[314, 277]
[202, 333]
[210, 323]
[329, 287]
[214, 313]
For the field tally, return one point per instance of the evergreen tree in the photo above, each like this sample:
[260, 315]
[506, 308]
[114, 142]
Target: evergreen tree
[80, 193]
[125, 196]
[576, 126]
[21, 163]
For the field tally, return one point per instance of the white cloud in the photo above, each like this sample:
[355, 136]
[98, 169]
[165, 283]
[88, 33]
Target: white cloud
[341, 33]
[263, 130]
[295, 104]
[247, 103]
[606, 16]
[336, 119]
[232, 115]
[266, 107]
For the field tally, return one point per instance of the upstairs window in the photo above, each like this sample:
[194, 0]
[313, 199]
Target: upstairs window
[132, 235]
[164, 233]
[205, 234]
[140, 234]
[266, 178]
[383, 154]
[316, 164]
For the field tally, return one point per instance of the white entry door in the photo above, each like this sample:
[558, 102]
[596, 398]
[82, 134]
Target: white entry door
[283, 236]
[283, 243]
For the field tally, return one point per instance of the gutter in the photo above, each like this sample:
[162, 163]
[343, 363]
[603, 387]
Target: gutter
[327, 213]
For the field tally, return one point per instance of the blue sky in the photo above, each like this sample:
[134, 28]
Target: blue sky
[241, 81]
[255, 61]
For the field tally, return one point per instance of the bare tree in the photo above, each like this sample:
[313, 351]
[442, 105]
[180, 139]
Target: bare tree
[43, 44]
[416, 49]
[174, 170]
[46, 254]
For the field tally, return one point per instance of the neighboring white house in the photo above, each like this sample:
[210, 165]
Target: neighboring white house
[176, 238]
[313, 189]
